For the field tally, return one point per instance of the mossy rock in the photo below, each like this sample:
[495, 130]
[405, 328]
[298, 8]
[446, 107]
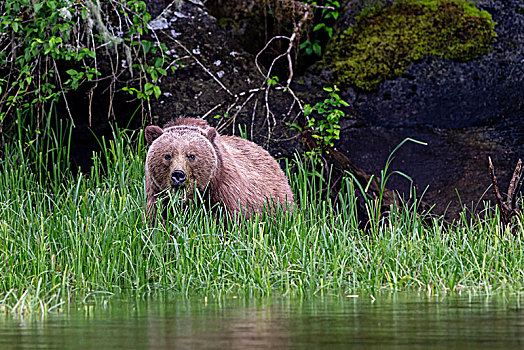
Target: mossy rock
[384, 41]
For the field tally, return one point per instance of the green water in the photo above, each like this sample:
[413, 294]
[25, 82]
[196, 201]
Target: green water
[400, 321]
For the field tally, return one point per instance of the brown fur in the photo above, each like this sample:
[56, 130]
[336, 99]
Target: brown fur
[228, 169]
[187, 121]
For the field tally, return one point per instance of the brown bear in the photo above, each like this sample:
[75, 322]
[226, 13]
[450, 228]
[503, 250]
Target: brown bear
[187, 154]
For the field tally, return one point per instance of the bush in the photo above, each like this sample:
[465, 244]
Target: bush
[52, 47]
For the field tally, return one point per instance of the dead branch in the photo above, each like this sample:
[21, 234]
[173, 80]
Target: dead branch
[63, 94]
[508, 209]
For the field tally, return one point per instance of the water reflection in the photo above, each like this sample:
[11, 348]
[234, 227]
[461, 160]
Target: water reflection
[395, 321]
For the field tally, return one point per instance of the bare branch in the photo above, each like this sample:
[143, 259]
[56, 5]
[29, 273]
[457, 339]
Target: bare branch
[516, 179]
[508, 209]
[494, 182]
[63, 93]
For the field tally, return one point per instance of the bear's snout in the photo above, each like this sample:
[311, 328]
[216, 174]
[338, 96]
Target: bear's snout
[178, 177]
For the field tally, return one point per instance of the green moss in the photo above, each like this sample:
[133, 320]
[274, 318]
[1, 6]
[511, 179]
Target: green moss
[384, 41]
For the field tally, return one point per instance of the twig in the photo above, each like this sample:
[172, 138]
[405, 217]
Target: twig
[515, 185]
[212, 109]
[63, 93]
[494, 182]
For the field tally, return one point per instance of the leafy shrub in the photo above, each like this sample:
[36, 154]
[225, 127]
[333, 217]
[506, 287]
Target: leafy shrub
[326, 126]
[54, 46]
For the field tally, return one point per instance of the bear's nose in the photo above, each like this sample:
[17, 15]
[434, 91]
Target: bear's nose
[178, 177]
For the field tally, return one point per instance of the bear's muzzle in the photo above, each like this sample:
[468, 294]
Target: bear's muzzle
[178, 179]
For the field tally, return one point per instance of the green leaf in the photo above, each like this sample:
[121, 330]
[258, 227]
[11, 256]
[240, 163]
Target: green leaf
[157, 91]
[319, 26]
[158, 62]
[147, 45]
[38, 6]
[317, 49]
[148, 89]
[154, 76]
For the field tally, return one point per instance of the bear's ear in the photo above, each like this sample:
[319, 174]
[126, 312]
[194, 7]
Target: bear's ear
[211, 134]
[152, 133]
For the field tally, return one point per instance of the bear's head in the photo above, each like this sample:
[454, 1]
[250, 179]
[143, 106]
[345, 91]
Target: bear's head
[181, 158]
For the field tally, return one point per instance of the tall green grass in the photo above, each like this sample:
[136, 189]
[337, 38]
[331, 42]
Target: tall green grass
[65, 237]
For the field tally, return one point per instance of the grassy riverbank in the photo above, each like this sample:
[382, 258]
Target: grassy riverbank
[65, 237]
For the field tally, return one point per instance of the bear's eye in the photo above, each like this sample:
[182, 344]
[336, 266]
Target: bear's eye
[191, 157]
[167, 157]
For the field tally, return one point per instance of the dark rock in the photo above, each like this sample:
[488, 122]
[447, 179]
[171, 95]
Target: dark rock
[464, 111]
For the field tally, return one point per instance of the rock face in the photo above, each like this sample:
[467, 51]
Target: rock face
[385, 40]
[464, 111]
